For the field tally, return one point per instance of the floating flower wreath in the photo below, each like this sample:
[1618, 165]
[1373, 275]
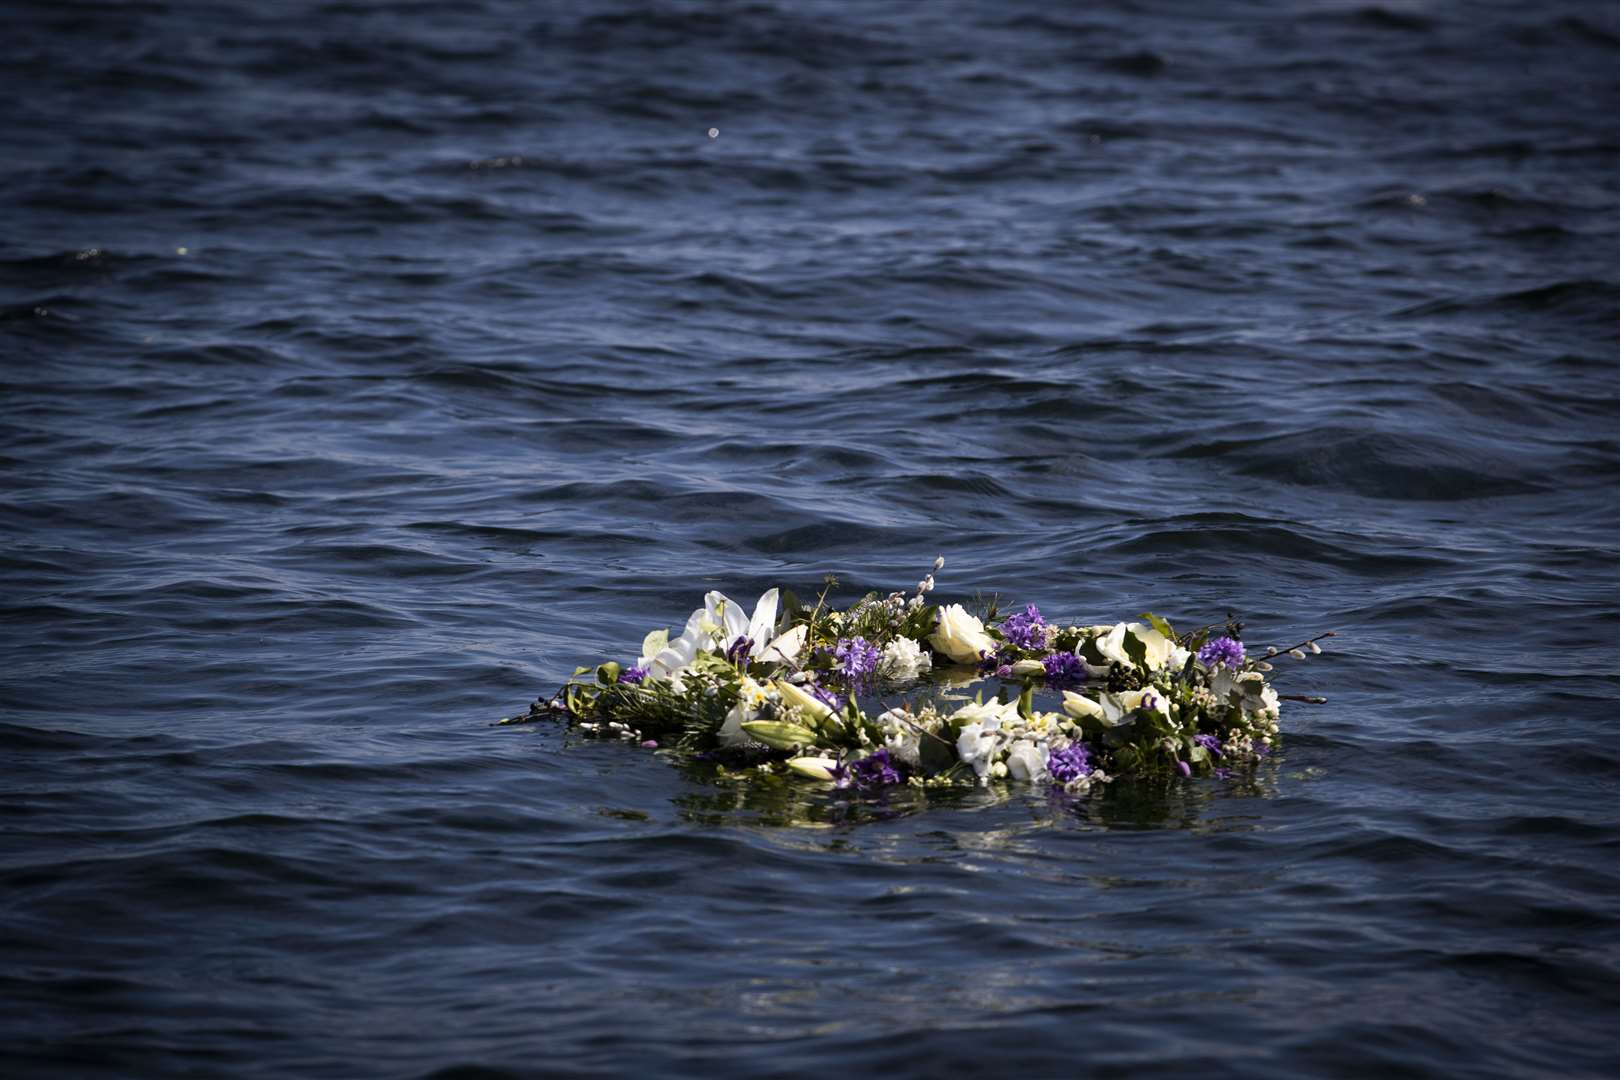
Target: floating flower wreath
[781, 691]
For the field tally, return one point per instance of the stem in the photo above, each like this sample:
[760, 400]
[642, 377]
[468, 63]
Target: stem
[827, 584]
[1301, 645]
[918, 728]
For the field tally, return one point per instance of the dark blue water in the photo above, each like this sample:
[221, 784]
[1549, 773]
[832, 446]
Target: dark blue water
[368, 366]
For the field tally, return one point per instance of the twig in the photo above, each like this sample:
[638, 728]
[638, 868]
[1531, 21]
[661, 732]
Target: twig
[1272, 651]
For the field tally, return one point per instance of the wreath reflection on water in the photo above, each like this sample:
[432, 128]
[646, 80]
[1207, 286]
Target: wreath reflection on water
[780, 691]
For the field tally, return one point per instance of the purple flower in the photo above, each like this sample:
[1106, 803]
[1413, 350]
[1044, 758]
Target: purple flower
[876, 770]
[1064, 669]
[1209, 742]
[1027, 629]
[1223, 650]
[857, 659]
[632, 675]
[1069, 763]
[1186, 769]
[737, 652]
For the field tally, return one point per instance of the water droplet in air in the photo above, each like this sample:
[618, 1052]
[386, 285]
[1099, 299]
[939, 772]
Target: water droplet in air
[714, 133]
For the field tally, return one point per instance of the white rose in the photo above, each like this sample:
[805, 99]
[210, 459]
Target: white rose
[960, 636]
[904, 659]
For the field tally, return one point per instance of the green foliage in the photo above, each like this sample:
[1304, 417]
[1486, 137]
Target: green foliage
[1159, 624]
[1135, 649]
[936, 754]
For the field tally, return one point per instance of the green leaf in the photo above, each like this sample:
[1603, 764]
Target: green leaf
[1135, 650]
[935, 755]
[574, 697]
[1123, 727]
[778, 734]
[608, 673]
[1159, 624]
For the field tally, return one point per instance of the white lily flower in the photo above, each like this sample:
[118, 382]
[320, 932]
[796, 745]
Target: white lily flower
[786, 648]
[797, 697]
[712, 627]
[816, 768]
[751, 698]
[757, 629]
[1146, 698]
[1081, 707]
[677, 654]
[1160, 650]
[993, 713]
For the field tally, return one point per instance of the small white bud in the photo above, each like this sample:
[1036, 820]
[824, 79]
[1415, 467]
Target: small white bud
[939, 564]
[1316, 649]
[1297, 654]
[1271, 650]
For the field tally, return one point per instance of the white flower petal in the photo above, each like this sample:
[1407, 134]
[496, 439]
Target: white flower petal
[764, 620]
[785, 649]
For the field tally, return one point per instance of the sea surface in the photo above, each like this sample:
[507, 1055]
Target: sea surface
[365, 367]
